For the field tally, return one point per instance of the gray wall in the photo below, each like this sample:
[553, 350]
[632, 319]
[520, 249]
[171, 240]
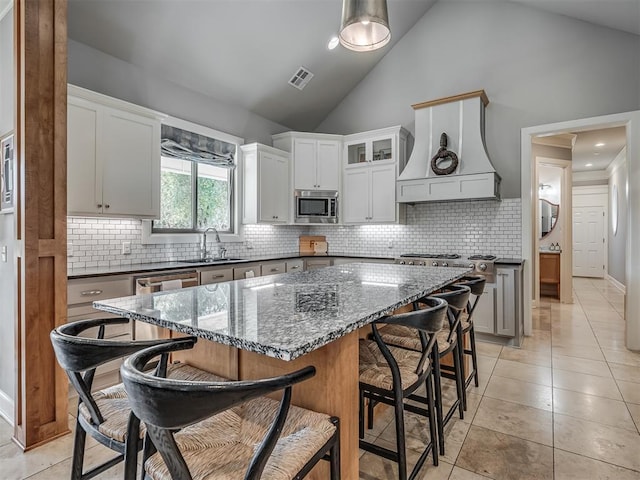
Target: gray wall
[97, 71]
[7, 227]
[617, 242]
[536, 68]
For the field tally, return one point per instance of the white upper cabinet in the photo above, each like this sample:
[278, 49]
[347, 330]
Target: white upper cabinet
[113, 157]
[316, 159]
[372, 163]
[267, 190]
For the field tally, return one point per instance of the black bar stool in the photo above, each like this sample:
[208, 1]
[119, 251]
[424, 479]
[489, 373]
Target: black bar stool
[476, 285]
[390, 375]
[105, 415]
[224, 430]
[446, 342]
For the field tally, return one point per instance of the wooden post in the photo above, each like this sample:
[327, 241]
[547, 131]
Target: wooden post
[41, 142]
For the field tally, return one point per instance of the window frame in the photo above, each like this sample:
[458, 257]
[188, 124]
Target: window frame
[193, 236]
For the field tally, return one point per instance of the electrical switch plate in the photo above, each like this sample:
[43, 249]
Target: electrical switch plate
[390, 244]
[248, 244]
[4, 253]
[69, 249]
[126, 248]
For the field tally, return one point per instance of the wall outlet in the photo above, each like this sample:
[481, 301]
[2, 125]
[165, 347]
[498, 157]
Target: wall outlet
[390, 244]
[248, 244]
[126, 248]
[69, 249]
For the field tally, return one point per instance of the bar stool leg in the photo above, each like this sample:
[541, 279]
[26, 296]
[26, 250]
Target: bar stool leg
[361, 416]
[78, 452]
[334, 453]
[437, 385]
[400, 440]
[474, 355]
[459, 381]
[460, 352]
[432, 420]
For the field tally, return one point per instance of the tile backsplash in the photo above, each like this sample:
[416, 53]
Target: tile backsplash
[485, 227]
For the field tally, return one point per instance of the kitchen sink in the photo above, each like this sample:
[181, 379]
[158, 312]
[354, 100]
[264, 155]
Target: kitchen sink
[211, 260]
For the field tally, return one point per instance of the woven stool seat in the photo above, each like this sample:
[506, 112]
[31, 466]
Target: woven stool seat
[442, 338]
[114, 405]
[374, 369]
[222, 446]
[401, 336]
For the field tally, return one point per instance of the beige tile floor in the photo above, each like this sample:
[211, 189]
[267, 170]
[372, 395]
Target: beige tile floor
[565, 406]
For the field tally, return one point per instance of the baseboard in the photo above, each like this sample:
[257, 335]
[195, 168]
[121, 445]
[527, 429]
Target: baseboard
[6, 408]
[616, 283]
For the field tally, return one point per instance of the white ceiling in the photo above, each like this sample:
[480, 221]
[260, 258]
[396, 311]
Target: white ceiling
[240, 51]
[244, 51]
[585, 150]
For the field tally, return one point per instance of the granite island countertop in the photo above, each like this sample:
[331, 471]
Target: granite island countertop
[287, 315]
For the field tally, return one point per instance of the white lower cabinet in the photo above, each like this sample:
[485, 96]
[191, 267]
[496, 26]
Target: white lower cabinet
[273, 268]
[215, 275]
[484, 316]
[314, 263]
[80, 295]
[113, 157]
[294, 266]
[247, 271]
[267, 187]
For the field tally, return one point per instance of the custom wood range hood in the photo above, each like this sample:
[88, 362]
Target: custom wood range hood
[461, 119]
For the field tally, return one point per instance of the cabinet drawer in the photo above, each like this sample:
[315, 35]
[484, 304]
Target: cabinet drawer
[112, 331]
[312, 264]
[295, 266]
[240, 273]
[216, 276]
[273, 268]
[90, 290]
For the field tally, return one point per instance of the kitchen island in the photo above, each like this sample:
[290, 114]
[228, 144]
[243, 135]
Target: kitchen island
[267, 326]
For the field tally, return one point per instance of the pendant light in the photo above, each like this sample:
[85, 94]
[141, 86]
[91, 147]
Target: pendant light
[365, 25]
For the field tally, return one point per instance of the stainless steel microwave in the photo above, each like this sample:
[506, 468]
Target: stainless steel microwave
[316, 206]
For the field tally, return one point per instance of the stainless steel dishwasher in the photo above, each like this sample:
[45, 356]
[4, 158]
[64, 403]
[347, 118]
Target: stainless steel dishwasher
[159, 282]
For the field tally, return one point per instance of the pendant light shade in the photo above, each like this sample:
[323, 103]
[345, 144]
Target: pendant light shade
[365, 25]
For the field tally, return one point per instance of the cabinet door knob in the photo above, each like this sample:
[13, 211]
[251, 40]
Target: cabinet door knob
[107, 206]
[99, 205]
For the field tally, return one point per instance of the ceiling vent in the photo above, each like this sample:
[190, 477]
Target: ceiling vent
[301, 78]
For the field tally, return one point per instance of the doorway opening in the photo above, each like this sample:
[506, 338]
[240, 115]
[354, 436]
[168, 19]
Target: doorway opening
[583, 177]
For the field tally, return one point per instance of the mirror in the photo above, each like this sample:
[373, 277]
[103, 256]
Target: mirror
[548, 217]
[614, 210]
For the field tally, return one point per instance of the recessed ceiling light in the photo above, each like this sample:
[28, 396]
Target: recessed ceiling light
[589, 165]
[333, 43]
[600, 144]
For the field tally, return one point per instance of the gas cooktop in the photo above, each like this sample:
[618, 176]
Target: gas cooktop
[443, 256]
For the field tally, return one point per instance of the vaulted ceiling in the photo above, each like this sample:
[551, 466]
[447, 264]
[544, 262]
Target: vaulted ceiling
[244, 51]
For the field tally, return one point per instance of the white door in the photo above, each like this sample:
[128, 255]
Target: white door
[383, 193]
[355, 195]
[588, 242]
[273, 194]
[328, 167]
[130, 164]
[304, 164]
[83, 193]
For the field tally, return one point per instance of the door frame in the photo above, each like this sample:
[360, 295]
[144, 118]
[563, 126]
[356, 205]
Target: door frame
[566, 209]
[631, 121]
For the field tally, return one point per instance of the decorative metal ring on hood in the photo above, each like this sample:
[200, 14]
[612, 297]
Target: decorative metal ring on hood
[442, 157]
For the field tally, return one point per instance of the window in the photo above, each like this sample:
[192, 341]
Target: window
[197, 182]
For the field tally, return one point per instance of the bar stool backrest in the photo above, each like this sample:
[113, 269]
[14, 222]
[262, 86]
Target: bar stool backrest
[80, 356]
[167, 405]
[475, 283]
[427, 321]
[457, 297]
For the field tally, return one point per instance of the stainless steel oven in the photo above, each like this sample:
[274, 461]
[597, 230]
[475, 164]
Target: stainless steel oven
[316, 206]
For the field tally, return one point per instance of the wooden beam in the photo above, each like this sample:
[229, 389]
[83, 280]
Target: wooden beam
[41, 134]
[453, 98]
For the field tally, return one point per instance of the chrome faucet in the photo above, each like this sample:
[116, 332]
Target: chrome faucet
[203, 243]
